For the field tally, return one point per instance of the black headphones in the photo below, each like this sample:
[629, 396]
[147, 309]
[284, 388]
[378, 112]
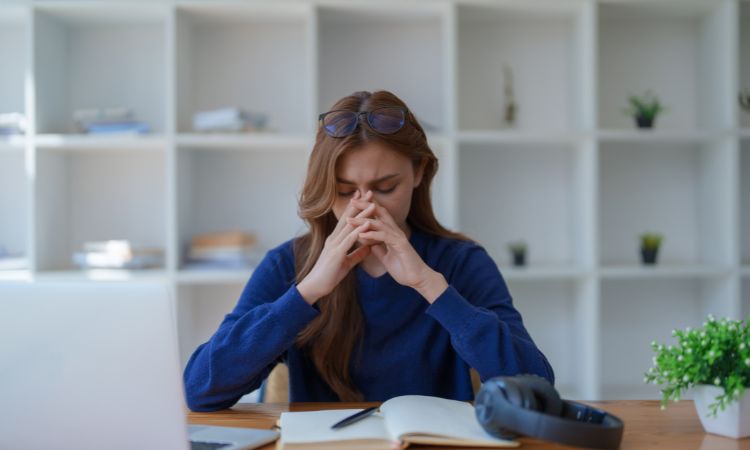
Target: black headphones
[528, 405]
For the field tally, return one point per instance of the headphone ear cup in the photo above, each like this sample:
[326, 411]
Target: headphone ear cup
[512, 392]
[528, 399]
[493, 393]
[548, 399]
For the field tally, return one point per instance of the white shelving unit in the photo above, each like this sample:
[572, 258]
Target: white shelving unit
[573, 177]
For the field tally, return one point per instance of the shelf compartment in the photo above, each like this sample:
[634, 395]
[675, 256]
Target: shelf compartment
[669, 188]
[744, 63]
[200, 311]
[91, 55]
[744, 211]
[239, 199]
[672, 304]
[524, 192]
[542, 45]
[365, 47]
[14, 204]
[14, 52]
[224, 59]
[549, 310]
[84, 196]
[633, 38]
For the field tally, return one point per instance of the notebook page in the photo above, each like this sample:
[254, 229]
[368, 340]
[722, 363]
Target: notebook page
[315, 426]
[418, 414]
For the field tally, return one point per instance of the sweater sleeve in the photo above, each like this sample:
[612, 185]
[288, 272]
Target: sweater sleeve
[249, 341]
[485, 328]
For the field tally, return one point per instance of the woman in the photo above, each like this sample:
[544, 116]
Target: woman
[377, 299]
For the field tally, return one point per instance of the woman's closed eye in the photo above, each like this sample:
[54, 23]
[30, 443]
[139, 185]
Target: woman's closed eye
[381, 191]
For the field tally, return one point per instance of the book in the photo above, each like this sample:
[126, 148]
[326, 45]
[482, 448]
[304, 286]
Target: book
[400, 422]
[224, 239]
[117, 254]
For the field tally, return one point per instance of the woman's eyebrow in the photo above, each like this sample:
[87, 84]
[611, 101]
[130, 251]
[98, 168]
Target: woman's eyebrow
[373, 182]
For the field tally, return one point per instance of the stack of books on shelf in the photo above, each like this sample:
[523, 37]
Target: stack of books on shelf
[229, 120]
[114, 120]
[223, 250]
[118, 254]
[12, 123]
[12, 261]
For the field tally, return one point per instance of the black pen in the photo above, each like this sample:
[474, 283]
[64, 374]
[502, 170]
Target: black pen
[354, 418]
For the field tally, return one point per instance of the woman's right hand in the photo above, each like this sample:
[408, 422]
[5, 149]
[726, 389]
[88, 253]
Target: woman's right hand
[334, 261]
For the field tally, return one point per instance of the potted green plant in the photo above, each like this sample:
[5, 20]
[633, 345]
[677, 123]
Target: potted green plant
[518, 250]
[714, 361]
[644, 109]
[650, 243]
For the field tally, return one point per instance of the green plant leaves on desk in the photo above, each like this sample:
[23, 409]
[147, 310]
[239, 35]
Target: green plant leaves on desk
[717, 354]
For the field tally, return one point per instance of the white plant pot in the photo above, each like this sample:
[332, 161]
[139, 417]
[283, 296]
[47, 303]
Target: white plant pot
[733, 422]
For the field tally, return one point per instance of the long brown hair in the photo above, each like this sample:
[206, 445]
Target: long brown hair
[332, 335]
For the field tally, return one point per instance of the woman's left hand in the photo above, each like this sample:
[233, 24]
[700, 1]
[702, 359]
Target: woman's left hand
[396, 253]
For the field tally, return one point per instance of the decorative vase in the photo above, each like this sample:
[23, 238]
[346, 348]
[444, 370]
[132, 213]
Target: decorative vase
[644, 122]
[733, 422]
[519, 259]
[648, 255]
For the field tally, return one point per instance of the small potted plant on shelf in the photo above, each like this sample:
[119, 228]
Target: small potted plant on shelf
[713, 361]
[518, 250]
[650, 243]
[644, 109]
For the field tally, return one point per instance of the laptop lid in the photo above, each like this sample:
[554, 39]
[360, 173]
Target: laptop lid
[88, 366]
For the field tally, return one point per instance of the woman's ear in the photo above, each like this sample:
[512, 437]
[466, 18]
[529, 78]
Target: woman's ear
[418, 172]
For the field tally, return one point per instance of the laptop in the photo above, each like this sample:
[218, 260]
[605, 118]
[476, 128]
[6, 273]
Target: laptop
[92, 365]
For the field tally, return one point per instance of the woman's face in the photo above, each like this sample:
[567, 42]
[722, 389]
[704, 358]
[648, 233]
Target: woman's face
[391, 176]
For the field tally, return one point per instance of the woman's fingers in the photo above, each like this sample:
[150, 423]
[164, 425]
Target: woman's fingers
[341, 230]
[350, 211]
[380, 211]
[357, 256]
[377, 235]
[352, 237]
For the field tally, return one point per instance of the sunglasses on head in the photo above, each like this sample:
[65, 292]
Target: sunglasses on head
[384, 120]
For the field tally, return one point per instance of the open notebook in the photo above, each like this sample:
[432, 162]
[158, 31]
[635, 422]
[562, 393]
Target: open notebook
[409, 419]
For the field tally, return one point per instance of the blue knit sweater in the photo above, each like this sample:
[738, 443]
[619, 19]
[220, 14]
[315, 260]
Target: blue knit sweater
[408, 347]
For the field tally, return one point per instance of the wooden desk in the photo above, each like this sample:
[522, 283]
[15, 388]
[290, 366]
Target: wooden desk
[646, 426]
